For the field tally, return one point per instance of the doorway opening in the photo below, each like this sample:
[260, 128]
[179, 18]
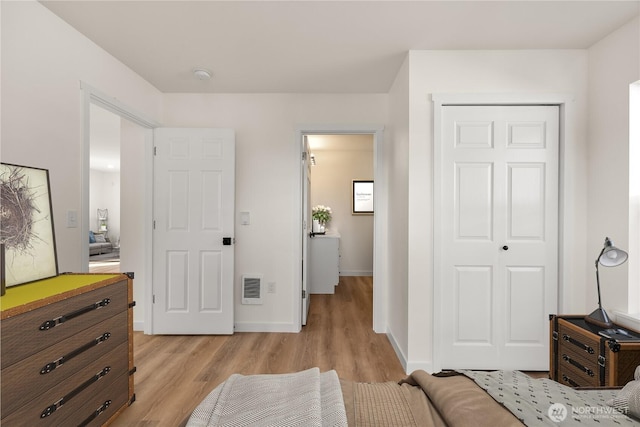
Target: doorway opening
[341, 156]
[340, 160]
[104, 191]
[136, 169]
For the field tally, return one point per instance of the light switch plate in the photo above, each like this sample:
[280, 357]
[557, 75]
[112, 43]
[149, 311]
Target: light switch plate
[72, 219]
[245, 218]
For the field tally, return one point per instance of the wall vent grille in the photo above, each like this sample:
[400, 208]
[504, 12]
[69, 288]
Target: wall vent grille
[251, 290]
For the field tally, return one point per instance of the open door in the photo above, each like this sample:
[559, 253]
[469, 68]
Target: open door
[193, 256]
[306, 225]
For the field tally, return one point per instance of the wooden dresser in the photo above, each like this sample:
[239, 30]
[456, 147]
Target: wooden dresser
[585, 355]
[67, 350]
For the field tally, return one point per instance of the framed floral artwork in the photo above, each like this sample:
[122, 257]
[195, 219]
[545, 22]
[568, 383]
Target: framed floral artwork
[26, 224]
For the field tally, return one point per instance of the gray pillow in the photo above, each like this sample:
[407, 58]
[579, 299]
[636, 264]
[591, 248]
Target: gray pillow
[628, 399]
[100, 238]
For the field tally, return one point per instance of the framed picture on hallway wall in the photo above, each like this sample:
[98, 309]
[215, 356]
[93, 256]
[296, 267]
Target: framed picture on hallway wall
[26, 224]
[362, 197]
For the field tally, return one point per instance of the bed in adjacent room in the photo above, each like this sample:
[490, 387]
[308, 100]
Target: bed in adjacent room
[460, 398]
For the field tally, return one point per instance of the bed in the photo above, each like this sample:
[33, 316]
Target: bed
[454, 398]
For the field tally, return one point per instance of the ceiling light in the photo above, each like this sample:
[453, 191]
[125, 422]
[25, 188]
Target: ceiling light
[202, 74]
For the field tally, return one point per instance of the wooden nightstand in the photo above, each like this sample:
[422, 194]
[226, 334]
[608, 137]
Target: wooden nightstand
[585, 355]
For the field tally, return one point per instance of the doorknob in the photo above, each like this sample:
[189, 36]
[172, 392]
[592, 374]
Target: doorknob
[505, 248]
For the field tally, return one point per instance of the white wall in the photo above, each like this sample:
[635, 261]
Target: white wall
[134, 249]
[42, 127]
[331, 181]
[267, 170]
[614, 64]
[498, 72]
[104, 193]
[43, 62]
[396, 154]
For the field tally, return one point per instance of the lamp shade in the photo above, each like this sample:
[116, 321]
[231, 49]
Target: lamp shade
[612, 256]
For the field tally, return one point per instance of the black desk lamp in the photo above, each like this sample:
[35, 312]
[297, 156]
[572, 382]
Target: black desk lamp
[610, 256]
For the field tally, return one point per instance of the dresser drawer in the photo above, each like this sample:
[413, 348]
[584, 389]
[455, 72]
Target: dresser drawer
[37, 373]
[80, 393]
[105, 403]
[25, 335]
[578, 354]
[572, 378]
[575, 339]
[578, 369]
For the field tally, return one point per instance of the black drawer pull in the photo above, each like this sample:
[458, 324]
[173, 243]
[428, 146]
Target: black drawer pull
[53, 365]
[577, 365]
[59, 403]
[96, 413]
[58, 320]
[577, 343]
[568, 380]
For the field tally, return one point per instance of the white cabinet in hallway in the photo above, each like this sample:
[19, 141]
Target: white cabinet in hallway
[324, 265]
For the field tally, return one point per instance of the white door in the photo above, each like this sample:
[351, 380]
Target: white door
[194, 185]
[499, 235]
[306, 227]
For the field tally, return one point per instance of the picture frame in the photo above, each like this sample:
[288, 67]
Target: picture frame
[26, 224]
[362, 193]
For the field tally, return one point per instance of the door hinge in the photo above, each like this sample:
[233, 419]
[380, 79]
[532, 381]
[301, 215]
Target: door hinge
[153, 299]
[304, 294]
[304, 155]
[155, 151]
[154, 224]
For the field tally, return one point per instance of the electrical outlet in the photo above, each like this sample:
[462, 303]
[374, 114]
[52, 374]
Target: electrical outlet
[271, 287]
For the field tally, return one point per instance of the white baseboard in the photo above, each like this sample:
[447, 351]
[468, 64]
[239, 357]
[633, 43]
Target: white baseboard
[266, 327]
[417, 365]
[408, 365]
[356, 273]
[396, 348]
[244, 327]
[138, 325]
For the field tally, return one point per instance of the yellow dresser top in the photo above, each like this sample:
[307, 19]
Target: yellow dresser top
[21, 295]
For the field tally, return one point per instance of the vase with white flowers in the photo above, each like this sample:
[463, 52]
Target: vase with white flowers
[321, 216]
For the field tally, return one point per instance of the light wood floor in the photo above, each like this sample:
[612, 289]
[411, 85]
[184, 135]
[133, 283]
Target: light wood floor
[104, 267]
[174, 373]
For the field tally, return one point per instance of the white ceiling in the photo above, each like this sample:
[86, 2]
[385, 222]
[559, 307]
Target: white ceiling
[321, 46]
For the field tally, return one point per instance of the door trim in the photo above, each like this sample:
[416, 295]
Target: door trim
[91, 95]
[380, 255]
[566, 138]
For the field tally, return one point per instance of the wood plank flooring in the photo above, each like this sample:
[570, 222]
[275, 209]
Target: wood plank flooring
[104, 267]
[174, 373]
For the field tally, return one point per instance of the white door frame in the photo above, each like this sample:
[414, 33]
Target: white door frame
[380, 254]
[91, 95]
[566, 137]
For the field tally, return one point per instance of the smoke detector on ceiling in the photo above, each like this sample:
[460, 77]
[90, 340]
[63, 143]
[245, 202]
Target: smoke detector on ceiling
[202, 74]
